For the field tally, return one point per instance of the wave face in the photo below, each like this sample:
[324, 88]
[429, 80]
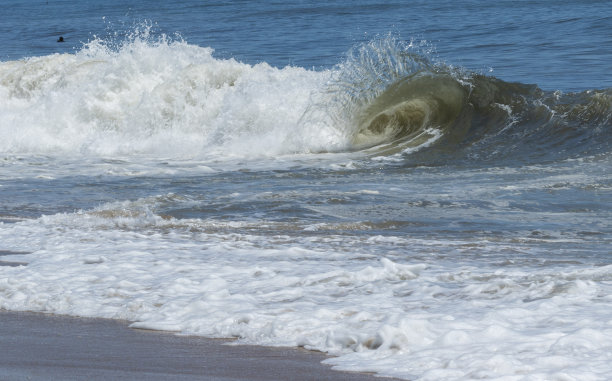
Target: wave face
[395, 100]
[388, 99]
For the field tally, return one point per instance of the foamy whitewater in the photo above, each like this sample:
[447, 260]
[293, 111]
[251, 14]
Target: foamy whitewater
[410, 217]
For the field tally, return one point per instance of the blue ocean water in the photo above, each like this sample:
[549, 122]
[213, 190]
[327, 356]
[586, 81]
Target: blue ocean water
[559, 46]
[422, 189]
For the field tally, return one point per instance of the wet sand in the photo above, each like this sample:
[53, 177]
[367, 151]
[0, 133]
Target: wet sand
[49, 347]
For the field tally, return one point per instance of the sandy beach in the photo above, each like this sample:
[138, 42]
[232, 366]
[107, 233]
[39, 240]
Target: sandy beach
[49, 347]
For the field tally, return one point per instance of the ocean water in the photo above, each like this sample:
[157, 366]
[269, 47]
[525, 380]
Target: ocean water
[422, 189]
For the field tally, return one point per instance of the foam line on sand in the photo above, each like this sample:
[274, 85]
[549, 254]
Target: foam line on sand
[49, 347]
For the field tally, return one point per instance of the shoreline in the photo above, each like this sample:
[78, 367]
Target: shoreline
[39, 346]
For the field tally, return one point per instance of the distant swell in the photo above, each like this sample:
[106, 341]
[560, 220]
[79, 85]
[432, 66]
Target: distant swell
[387, 99]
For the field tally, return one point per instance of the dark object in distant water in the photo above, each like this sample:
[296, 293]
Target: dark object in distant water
[61, 39]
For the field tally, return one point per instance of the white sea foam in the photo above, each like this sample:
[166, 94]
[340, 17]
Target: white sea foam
[352, 296]
[157, 97]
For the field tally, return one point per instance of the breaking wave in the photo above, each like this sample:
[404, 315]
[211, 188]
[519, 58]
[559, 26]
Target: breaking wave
[388, 98]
